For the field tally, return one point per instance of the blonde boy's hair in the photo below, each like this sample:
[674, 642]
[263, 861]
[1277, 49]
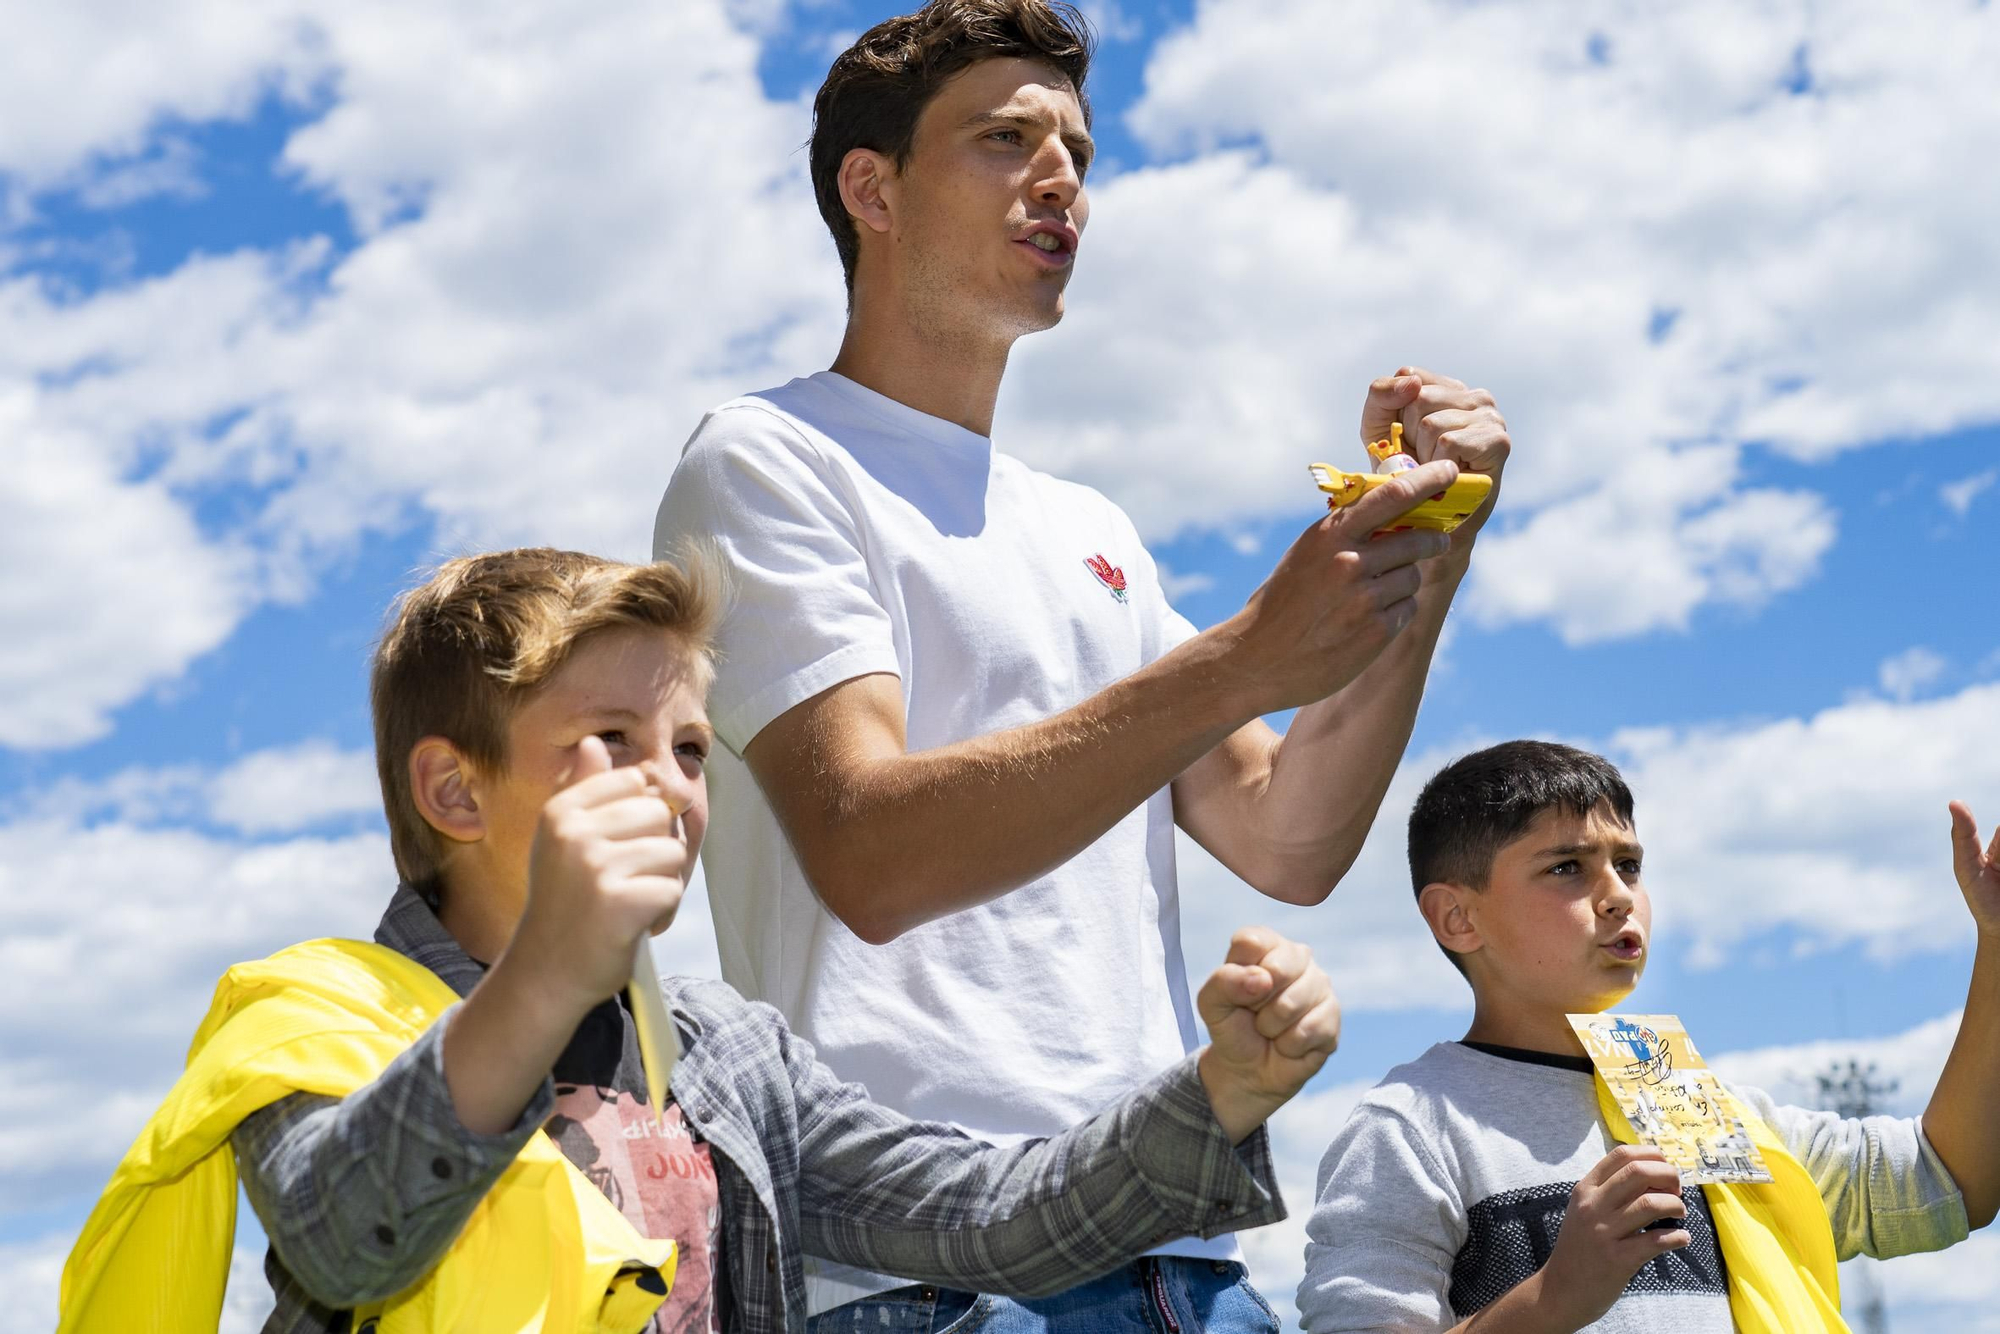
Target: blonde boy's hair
[465, 649]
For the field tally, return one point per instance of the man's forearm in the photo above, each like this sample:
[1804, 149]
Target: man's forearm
[1336, 760]
[1961, 1120]
[1293, 826]
[908, 838]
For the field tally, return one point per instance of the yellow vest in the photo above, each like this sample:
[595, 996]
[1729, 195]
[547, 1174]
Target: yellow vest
[544, 1253]
[1776, 1241]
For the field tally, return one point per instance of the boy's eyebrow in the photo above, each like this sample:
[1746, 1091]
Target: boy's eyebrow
[1624, 846]
[613, 712]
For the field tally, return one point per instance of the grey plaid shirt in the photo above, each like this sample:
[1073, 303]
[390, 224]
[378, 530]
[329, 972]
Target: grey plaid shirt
[361, 1195]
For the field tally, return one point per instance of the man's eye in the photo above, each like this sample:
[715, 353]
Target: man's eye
[1011, 136]
[1564, 868]
[614, 737]
[693, 750]
[1630, 866]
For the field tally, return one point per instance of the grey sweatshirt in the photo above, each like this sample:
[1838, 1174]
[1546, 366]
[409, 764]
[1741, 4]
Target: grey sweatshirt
[1448, 1184]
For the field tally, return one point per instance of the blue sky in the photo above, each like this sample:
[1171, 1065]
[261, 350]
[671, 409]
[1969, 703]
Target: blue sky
[293, 307]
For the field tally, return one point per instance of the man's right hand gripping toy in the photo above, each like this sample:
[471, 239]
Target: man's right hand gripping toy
[1443, 512]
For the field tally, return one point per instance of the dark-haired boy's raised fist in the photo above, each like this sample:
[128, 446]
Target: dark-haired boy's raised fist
[1272, 1021]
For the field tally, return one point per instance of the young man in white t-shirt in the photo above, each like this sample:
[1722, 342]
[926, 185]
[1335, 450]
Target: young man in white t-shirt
[960, 721]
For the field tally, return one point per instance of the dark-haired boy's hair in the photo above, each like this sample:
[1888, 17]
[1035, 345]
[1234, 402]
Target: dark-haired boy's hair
[1475, 806]
[879, 86]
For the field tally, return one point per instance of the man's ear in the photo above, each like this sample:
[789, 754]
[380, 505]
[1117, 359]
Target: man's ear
[1444, 908]
[867, 188]
[441, 785]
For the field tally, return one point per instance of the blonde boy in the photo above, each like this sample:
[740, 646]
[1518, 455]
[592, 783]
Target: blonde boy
[542, 743]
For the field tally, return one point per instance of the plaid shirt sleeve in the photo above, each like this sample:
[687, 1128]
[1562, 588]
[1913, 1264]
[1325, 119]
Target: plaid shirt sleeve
[361, 1195]
[931, 1203]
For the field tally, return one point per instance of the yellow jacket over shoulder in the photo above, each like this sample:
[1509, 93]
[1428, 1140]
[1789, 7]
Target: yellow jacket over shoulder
[544, 1253]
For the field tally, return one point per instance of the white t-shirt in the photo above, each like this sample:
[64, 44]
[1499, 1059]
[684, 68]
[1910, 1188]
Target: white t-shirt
[865, 536]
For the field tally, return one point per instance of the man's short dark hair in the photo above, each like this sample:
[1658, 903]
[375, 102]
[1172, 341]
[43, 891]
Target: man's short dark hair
[878, 87]
[1475, 806]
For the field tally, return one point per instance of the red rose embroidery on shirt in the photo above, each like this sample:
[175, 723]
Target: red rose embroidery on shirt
[1109, 575]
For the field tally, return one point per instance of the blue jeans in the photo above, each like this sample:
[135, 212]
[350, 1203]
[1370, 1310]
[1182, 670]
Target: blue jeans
[1156, 1295]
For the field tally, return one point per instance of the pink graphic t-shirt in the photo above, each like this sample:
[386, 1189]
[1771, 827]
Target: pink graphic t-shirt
[660, 1177]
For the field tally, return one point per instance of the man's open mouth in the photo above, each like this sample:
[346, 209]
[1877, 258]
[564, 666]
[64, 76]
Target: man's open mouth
[1053, 241]
[1627, 945]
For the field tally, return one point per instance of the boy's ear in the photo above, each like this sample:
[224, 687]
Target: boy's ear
[441, 785]
[867, 188]
[1444, 909]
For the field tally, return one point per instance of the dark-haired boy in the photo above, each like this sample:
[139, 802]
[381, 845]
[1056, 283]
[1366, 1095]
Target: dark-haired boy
[542, 743]
[961, 721]
[1477, 1189]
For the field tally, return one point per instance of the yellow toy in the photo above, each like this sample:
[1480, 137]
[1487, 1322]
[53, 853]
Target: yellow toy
[1443, 512]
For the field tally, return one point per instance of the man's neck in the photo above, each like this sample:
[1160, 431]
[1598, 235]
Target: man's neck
[952, 377]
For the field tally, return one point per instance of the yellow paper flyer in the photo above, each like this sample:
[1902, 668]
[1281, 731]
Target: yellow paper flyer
[1671, 1097]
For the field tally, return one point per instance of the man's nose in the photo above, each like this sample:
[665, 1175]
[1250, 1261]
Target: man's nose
[1058, 181]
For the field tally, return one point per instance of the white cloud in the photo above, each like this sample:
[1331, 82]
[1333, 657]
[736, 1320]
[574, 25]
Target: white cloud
[1177, 585]
[1959, 495]
[31, 1276]
[1910, 1060]
[116, 935]
[1111, 20]
[1956, 1289]
[105, 76]
[278, 791]
[520, 359]
[1657, 262]
[1908, 672]
[112, 588]
[1652, 261]
[1832, 825]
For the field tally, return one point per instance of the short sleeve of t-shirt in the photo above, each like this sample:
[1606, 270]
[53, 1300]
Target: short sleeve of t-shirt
[1174, 628]
[1383, 1233]
[802, 614]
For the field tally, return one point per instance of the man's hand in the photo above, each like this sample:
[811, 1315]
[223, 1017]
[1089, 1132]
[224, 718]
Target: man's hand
[1978, 872]
[609, 864]
[1604, 1240]
[1272, 1021]
[1442, 419]
[1338, 596]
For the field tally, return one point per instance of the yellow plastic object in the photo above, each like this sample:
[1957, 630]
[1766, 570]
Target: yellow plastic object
[1384, 450]
[544, 1253]
[1444, 511]
[1777, 1244]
